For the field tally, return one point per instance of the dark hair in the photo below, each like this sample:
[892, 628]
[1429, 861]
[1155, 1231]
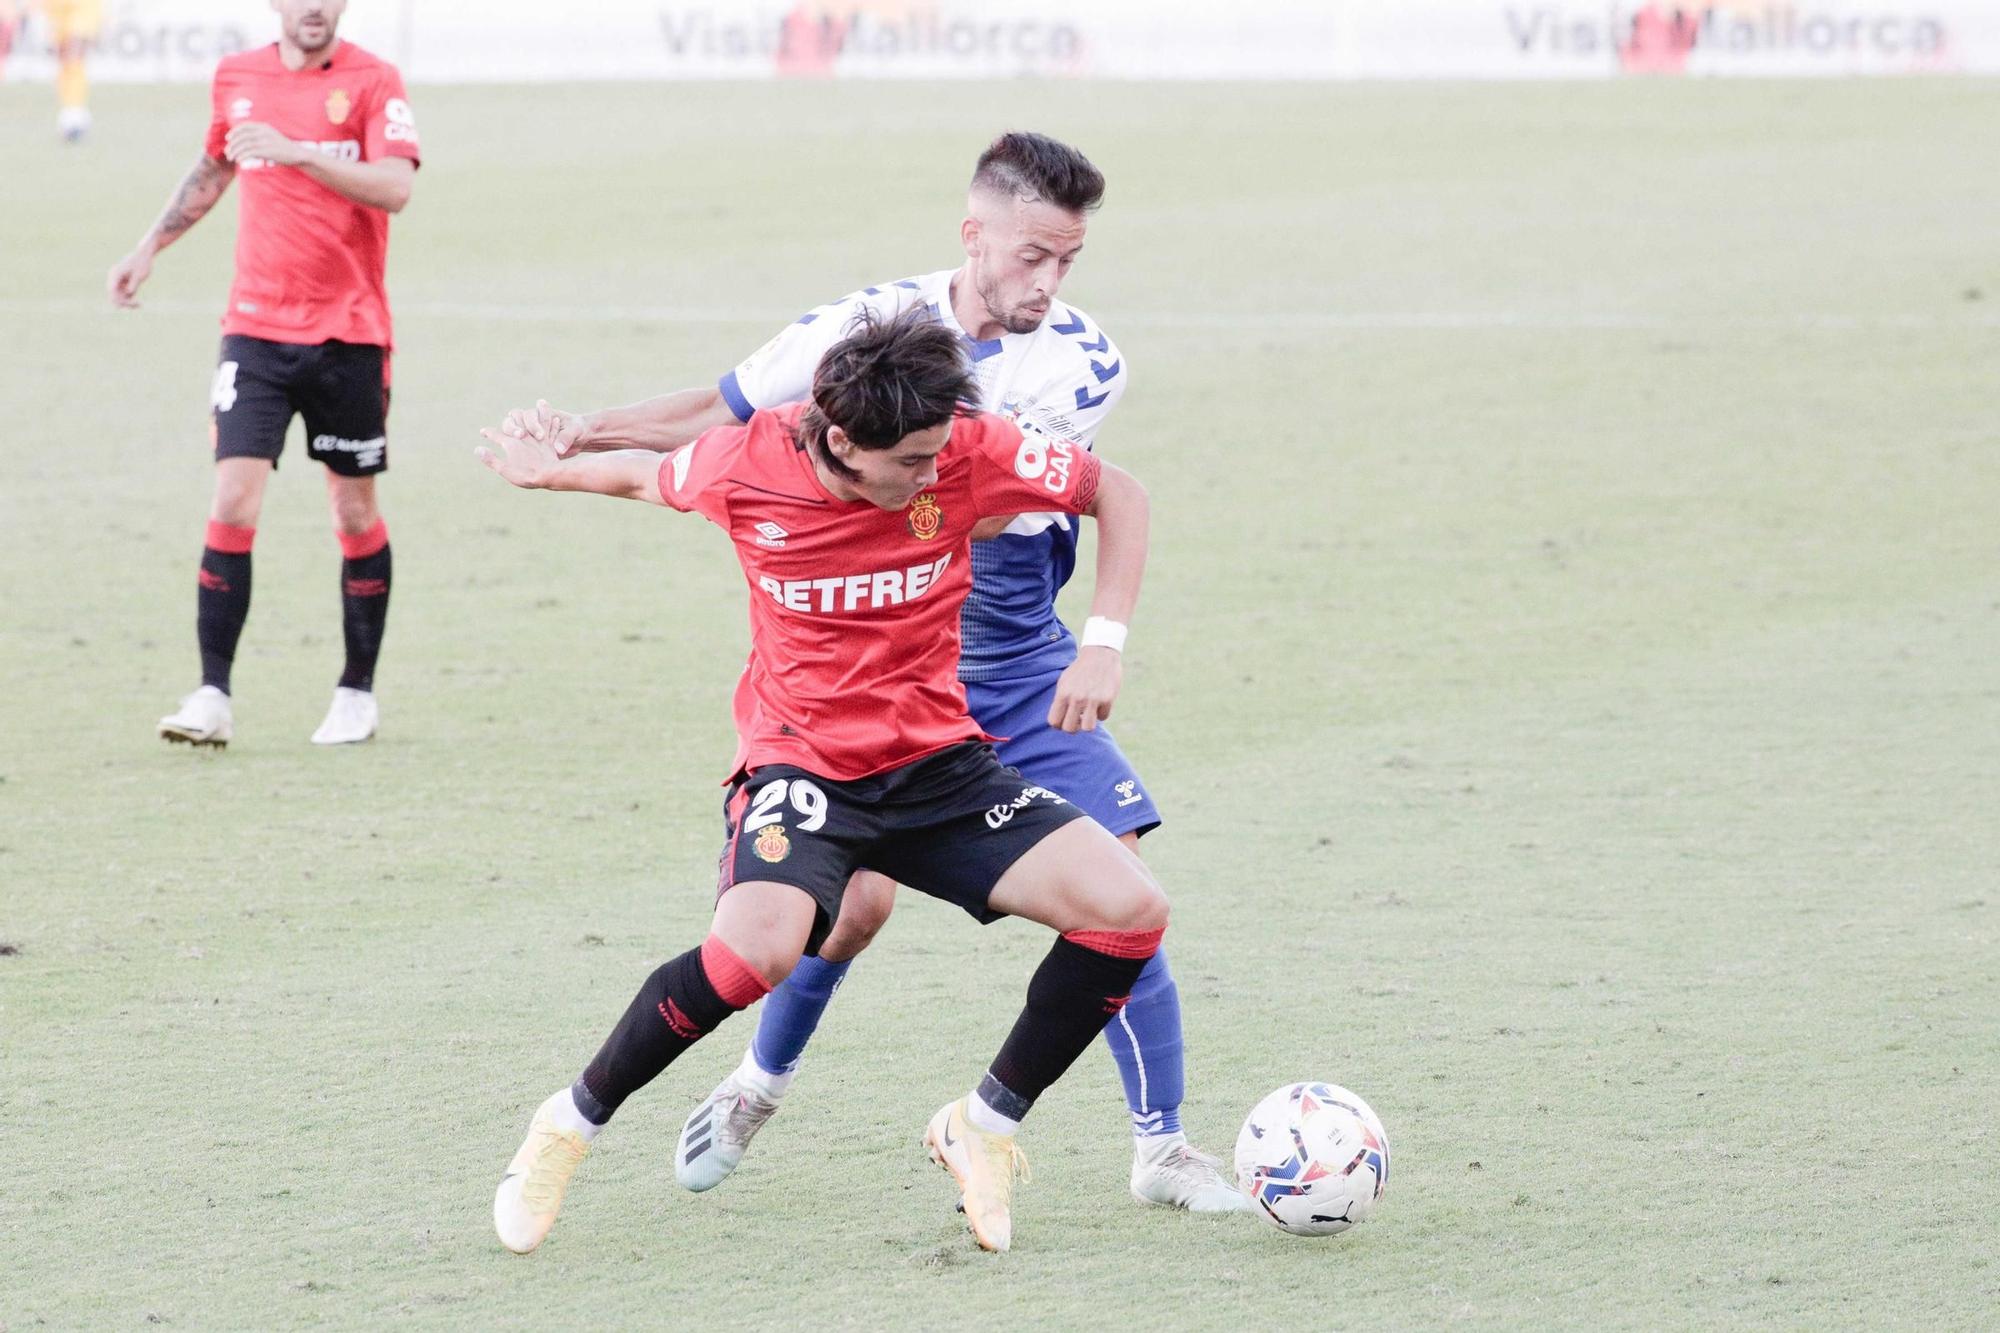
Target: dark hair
[1040, 169]
[886, 379]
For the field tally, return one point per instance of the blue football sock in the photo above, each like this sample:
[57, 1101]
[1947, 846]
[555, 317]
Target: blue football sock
[1145, 1040]
[792, 1012]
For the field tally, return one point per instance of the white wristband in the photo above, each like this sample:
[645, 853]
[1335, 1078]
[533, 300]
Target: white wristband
[1101, 632]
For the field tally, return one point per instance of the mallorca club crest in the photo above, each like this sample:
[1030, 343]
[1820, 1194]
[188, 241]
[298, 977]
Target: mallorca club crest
[773, 844]
[337, 106]
[926, 516]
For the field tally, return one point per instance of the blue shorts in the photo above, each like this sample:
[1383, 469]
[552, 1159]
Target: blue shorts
[1085, 768]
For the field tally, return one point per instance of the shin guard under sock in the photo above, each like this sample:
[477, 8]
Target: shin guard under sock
[222, 599]
[680, 1003]
[1085, 980]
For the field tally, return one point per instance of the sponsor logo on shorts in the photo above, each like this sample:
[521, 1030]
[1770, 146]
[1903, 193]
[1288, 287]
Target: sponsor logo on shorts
[926, 517]
[770, 534]
[998, 816]
[856, 592]
[367, 453]
[1128, 792]
[772, 844]
[338, 103]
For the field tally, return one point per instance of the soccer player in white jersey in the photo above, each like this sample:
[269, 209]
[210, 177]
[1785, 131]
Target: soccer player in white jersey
[1038, 360]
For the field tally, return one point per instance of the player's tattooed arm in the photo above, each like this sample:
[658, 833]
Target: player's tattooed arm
[199, 190]
[532, 464]
[192, 198]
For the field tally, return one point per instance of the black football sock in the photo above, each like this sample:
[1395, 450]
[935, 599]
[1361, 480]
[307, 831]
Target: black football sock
[680, 1003]
[364, 602]
[222, 599]
[1082, 983]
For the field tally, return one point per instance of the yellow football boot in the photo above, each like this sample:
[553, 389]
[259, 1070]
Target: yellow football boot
[985, 1166]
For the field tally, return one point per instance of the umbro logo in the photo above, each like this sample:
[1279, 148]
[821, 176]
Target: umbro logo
[770, 534]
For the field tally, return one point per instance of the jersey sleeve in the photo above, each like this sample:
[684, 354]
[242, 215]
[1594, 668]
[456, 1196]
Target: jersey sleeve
[218, 121]
[1024, 470]
[1073, 403]
[781, 371]
[391, 129]
[1099, 387]
[694, 478]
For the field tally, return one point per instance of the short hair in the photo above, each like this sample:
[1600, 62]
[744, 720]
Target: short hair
[1038, 169]
[886, 379]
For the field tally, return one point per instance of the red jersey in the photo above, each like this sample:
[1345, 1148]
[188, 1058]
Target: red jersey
[853, 608]
[309, 263]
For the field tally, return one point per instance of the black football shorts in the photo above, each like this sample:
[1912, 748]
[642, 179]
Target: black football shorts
[949, 825]
[341, 389]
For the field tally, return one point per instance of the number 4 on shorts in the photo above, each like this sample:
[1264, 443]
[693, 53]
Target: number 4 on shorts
[222, 396]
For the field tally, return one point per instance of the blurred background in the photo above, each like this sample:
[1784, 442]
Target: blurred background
[527, 40]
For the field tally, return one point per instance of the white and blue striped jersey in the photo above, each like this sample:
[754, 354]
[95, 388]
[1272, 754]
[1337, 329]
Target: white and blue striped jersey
[1065, 378]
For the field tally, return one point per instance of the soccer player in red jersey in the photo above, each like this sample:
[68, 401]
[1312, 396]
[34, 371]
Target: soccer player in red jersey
[852, 517]
[322, 135]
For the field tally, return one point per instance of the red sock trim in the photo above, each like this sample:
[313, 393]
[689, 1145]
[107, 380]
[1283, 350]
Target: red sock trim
[359, 546]
[1119, 943]
[734, 980]
[230, 540]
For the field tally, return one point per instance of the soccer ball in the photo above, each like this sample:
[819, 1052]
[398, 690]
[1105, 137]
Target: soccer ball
[1313, 1158]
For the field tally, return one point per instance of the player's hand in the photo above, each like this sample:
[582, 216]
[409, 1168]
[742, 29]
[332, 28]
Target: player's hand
[565, 432]
[1087, 689]
[126, 277]
[253, 138]
[523, 460]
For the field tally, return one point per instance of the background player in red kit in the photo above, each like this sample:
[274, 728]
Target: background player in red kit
[852, 517]
[323, 137]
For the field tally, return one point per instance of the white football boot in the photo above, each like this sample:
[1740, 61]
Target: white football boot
[715, 1137]
[73, 123]
[1166, 1171]
[202, 719]
[351, 717]
[531, 1191]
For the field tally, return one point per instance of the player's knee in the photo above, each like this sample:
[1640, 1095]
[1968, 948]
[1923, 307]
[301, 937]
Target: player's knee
[1133, 903]
[767, 959]
[237, 502]
[848, 938]
[354, 516]
[864, 910]
[1149, 909]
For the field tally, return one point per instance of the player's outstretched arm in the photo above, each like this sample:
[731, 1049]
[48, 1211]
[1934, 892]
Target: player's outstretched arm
[191, 200]
[1089, 687]
[662, 424]
[631, 474]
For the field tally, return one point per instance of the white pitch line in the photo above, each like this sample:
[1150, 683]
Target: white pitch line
[1193, 320]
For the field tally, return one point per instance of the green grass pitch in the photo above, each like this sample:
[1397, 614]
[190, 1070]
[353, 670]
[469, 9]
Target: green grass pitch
[1568, 663]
